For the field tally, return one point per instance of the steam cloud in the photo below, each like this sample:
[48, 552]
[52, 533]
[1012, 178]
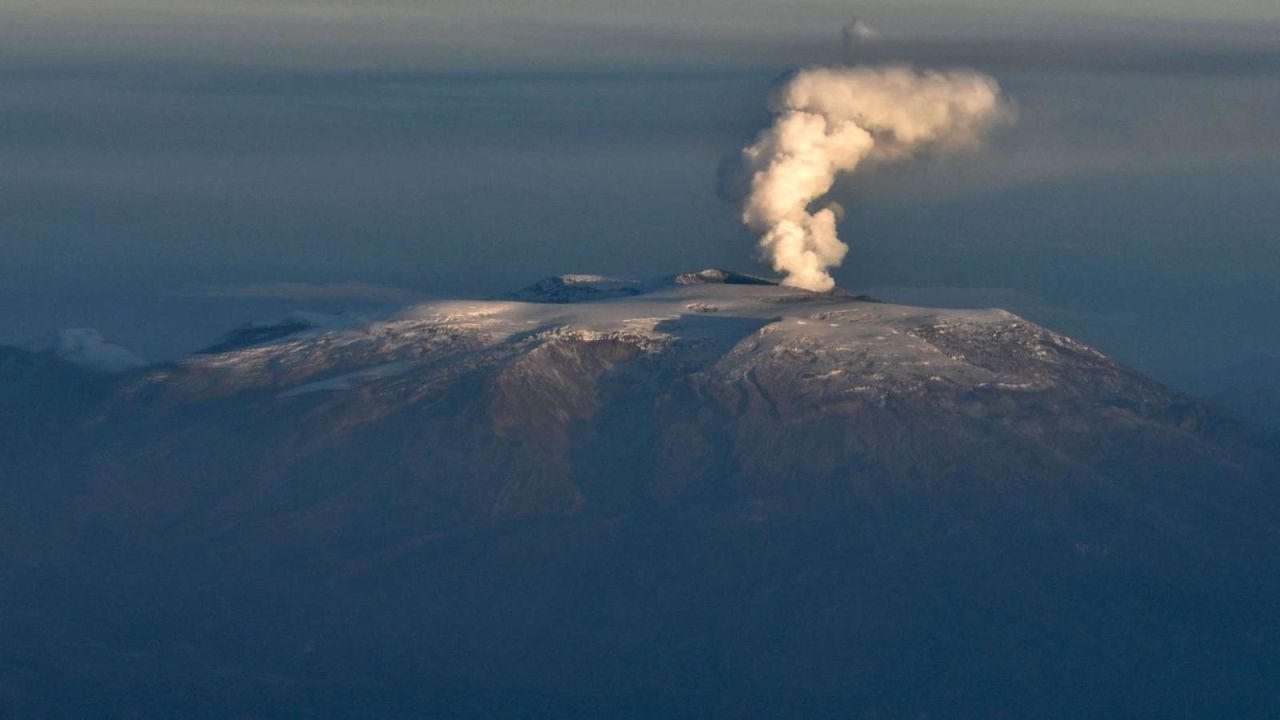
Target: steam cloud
[858, 31]
[830, 121]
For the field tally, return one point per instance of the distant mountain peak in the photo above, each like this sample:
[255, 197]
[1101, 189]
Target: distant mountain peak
[718, 276]
[87, 348]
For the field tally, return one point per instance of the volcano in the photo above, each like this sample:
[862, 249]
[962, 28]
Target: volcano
[704, 496]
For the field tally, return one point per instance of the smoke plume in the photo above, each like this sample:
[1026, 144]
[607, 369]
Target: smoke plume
[857, 31]
[831, 120]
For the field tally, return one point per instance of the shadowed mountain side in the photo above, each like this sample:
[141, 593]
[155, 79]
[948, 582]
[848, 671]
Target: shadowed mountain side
[704, 500]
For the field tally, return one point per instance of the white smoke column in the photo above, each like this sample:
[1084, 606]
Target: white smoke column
[831, 120]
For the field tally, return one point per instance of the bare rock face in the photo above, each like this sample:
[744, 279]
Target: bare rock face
[703, 497]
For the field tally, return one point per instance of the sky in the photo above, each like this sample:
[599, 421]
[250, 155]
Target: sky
[171, 169]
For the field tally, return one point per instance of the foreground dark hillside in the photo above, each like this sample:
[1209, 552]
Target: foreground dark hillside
[699, 500]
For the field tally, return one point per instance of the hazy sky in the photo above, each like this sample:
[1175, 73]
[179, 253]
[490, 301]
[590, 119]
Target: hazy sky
[165, 166]
[471, 34]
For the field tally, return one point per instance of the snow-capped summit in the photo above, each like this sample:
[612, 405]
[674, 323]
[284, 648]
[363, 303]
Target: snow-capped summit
[713, 323]
[569, 346]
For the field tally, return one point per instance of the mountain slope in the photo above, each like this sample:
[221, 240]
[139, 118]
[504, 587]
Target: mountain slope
[1250, 389]
[697, 498]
